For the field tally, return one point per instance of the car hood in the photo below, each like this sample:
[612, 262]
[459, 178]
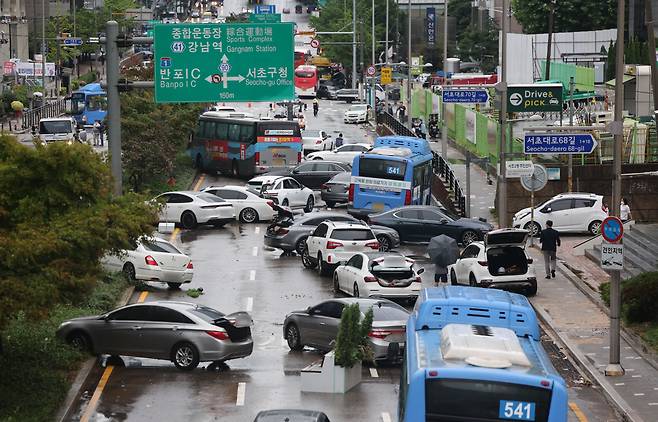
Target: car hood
[473, 224]
[522, 212]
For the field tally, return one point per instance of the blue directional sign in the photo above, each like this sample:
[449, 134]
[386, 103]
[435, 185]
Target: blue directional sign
[562, 143]
[265, 9]
[72, 41]
[465, 96]
[612, 229]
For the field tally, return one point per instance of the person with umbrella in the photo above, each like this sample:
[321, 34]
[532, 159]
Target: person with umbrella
[443, 251]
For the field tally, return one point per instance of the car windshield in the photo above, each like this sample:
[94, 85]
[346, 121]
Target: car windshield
[342, 177]
[209, 197]
[304, 74]
[358, 107]
[352, 234]
[206, 313]
[57, 126]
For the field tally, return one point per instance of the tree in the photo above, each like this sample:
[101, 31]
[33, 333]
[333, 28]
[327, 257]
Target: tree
[352, 339]
[570, 15]
[635, 52]
[58, 217]
[480, 46]
[462, 11]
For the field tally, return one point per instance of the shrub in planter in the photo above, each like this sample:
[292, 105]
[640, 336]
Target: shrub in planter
[639, 298]
[352, 340]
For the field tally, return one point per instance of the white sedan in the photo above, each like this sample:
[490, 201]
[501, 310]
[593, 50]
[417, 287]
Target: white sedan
[152, 260]
[191, 208]
[385, 274]
[249, 206]
[284, 191]
[357, 113]
[344, 153]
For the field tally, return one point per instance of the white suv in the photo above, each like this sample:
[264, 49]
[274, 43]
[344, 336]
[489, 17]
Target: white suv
[284, 191]
[570, 212]
[334, 242]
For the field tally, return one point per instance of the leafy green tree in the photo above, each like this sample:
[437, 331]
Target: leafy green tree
[462, 11]
[480, 46]
[570, 15]
[635, 52]
[352, 339]
[58, 217]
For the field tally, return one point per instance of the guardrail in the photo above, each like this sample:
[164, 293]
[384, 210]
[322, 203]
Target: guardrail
[51, 109]
[394, 124]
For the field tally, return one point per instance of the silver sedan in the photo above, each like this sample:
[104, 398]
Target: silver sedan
[185, 333]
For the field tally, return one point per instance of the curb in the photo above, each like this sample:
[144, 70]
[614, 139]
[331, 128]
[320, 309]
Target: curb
[75, 391]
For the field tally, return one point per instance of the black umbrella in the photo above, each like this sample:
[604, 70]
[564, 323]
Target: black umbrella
[443, 250]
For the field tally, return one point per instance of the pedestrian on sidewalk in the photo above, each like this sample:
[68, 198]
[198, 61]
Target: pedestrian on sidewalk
[624, 210]
[101, 131]
[96, 131]
[550, 240]
[339, 140]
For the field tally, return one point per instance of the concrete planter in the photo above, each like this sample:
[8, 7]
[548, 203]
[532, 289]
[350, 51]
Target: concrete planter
[327, 377]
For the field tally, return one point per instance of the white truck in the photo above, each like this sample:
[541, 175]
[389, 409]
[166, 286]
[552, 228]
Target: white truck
[58, 129]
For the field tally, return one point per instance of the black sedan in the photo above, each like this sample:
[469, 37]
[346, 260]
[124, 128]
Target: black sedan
[423, 222]
[327, 91]
[314, 174]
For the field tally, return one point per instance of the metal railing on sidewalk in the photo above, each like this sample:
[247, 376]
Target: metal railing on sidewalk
[52, 109]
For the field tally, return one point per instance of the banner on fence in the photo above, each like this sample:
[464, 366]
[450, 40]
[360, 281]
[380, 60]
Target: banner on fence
[469, 131]
[34, 69]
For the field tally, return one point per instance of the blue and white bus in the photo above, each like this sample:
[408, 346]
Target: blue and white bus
[474, 354]
[88, 104]
[396, 172]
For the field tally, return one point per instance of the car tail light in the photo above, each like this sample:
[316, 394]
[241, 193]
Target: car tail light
[373, 245]
[333, 245]
[257, 158]
[210, 206]
[324, 186]
[282, 231]
[350, 195]
[271, 204]
[379, 333]
[150, 261]
[189, 266]
[418, 279]
[407, 197]
[483, 263]
[370, 279]
[219, 335]
[529, 260]
[319, 141]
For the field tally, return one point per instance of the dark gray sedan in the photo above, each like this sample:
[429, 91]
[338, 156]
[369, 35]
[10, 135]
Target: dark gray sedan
[317, 326]
[185, 333]
[293, 237]
[336, 190]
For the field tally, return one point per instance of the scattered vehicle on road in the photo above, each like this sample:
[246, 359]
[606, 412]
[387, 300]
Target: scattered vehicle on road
[299, 9]
[191, 208]
[317, 326]
[348, 95]
[357, 113]
[314, 174]
[420, 223]
[321, 141]
[306, 81]
[286, 11]
[58, 129]
[383, 274]
[570, 212]
[327, 91]
[336, 190]
[185, 333]
[249, 206]
[291, 415]
[499, 262]
[344, 153]
[152, 260]
[285, 191]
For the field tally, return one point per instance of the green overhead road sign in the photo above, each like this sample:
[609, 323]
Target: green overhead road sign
[213, 62]
[534, 97]
[265, 18]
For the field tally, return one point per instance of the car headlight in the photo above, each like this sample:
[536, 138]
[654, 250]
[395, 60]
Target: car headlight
[521, 217]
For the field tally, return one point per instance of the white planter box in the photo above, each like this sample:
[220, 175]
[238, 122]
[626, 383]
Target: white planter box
[166, 227]
[330, 378]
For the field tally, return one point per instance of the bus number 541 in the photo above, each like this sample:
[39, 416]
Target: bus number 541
[517, 410]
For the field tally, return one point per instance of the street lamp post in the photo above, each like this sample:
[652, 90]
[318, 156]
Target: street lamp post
[444, 132]
[353, 44]
[43, 49]
[409, 64]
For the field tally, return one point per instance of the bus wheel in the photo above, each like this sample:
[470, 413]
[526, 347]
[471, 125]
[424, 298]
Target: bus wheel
[235, 170]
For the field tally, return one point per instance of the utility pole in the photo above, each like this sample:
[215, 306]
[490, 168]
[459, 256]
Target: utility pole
[43, 50]
[570, 169]
[372, 63]
[444, 131]
[353, 44]
[409, 64]
[386, 60]
[614, 367]
[113, 104]
[651, 40]
[551, 18]
[502, 146]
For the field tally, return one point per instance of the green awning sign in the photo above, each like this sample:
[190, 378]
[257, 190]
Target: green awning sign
[534, 97]
[211, 62]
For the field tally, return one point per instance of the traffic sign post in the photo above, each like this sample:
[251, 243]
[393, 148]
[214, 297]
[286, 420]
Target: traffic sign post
[72, 42]
[535, 97]
[612, 229]
[612, 256]
[553, 143]
[516, 169]
[462, 96]
[211, 63]
[263, 9]
[385, 75]
[371, 71]
[315, 43]
[536, 181]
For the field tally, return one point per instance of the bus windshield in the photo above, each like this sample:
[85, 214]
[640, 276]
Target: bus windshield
[77, 103]
[382, 168]
[304, 73]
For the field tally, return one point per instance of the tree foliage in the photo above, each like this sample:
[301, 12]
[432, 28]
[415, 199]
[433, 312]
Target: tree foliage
[462, 11]
[635, 52]
[352, 340]
[58, 217]
[570, 15]
[480, 46]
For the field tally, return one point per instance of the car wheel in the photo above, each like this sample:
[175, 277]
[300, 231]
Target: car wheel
[534, 228]
[285, 202]
[300, 246]
[384, 243]
[188, 220]
[249, 215]
[293, 337]
[453, 278]
[472, 281]
[321, 267]
[330, 204]
[174, 286]
[307, 261]
[185, 356]
[336, 284]
[129, 271]
[355, 290]
[80, 341]
[594, 227]
[468, 237]
[310, 203]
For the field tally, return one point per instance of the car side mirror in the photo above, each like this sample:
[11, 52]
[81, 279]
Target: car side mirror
[309, 310]
[420, 271]
[443, 221]
[295, 171]
[549, 210]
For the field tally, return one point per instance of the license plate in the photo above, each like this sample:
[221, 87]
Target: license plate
[378, 206]
[516, 410]
[278, 162]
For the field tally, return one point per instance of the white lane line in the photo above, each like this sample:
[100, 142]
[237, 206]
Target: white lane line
[636, 376]
[254, 251]
[256, 230]
[386, 417]
[239, 401]
[373, 373]
[638, 394]
[250, 304]
[653, 404]
[620, 383]
[252, 275]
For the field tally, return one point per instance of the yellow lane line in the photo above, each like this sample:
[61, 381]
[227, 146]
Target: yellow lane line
[142, 297]
[174, 234]
[91, 407]
[579, 413]
[199, 182]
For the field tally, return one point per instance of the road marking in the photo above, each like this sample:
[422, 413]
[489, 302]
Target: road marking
[250, 304]
[252, 275]
[638, 394]
[620, 383]
[636, 376]
[91, 407]
[239, 401]
[386, 417]
[174, 234]
[254, 251]
[579, 413]
[653, 404]
[142, 297]
[198, 182]
[373, 373]
[256, 230]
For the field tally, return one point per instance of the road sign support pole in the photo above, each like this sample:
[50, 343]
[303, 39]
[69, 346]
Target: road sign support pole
[614, 367]
[113, 104]
[468, 184]
[444, 131]
[532, 211]
[353, 44]
[409, 64]
[502, 146]
[570, 162]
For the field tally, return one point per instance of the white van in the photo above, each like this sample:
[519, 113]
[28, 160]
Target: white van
[57, 129]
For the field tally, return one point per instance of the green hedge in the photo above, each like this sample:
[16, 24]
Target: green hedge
[639, 297]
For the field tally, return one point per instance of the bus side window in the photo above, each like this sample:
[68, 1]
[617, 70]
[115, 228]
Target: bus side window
[200, 128]
[246, 133]
[222, 131]
[234, 132]
[209, 130]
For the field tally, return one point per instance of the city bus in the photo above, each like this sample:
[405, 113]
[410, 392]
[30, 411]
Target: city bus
[88, 104]
[306, 81]
[396, 172]
[474, 354]
[300, 57]
[235, 144]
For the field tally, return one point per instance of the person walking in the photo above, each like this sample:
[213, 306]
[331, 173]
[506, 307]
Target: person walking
[440, 274]
[423, 129]
[624, 210]
[550, 240]
[101, 132]
[316, 107]
[96, 132]
[339, 140]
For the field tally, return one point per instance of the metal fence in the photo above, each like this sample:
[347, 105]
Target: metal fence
[52, 109]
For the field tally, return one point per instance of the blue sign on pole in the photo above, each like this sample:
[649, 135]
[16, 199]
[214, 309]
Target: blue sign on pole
[265, 9]
[72, 41]
[563, 143]
[431, 25]
[612, 229]
[465, 96]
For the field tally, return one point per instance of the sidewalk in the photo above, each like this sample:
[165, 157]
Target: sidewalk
[583, 327]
